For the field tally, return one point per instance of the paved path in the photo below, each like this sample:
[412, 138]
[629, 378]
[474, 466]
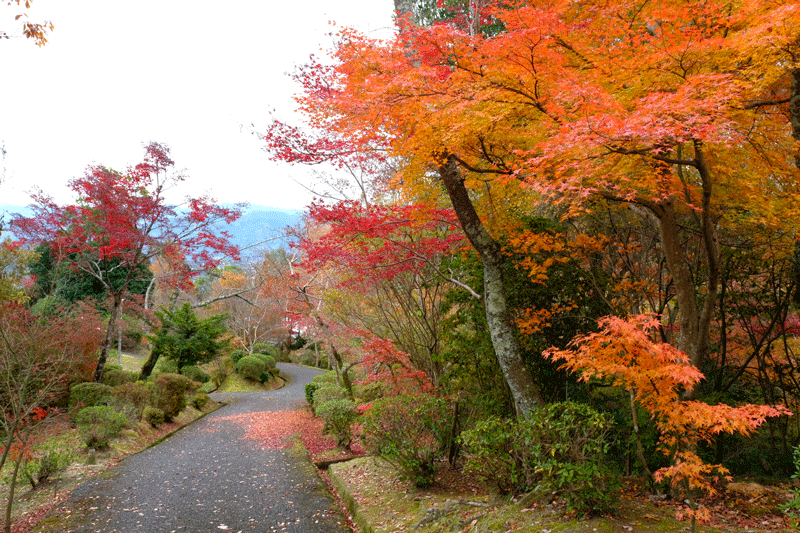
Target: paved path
[208, 478]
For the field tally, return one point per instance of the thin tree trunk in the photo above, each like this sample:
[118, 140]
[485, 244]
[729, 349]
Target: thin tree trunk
[11, 488]
[109, 338]
[639, 447]
[509, 355]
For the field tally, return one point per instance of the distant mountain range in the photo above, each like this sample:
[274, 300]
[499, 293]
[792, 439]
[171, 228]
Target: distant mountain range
[259, 228]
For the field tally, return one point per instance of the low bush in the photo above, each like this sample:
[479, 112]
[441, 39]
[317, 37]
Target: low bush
[220, 370]
[136, 395]
[339, 416]
[114, 374]
[165, 365]
[310, 389]
[236, 355]
[265, 349]
[251, 367]
[90, 395]
[195, 373]
[98, 425]
[413, 432]
[369, 392]
[200, 400]
[559, 449]
[208, 387]
[46, 465]
[169, 394]
[268, 360]
[327, 377]
[326, 392]
[153, 416]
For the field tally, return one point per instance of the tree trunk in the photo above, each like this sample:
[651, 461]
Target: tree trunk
[109, 338]
[11, 488]
[694, 321]
[509, 355]
[149, 365]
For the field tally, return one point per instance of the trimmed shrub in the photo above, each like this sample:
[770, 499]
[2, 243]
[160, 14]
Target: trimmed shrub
[559, 449]
[236, 355]
[169, 394]
[310, 389]
[268, 360]
[136, 394]
[153, 416]
[328, 377]
[412, 432]
[339, 416]
[200, 400]
[327, 392]
[265, 349]
[250, 367]
[90, 394]
[98, 425]
[114, 374]
[195, 373]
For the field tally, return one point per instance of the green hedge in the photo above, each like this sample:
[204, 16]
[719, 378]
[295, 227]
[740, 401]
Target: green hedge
[251, 367]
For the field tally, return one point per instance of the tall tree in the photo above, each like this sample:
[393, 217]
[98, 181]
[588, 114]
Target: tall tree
[121, 222]
[686, 122]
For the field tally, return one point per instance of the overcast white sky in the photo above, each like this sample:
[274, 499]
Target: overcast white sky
[189, 73]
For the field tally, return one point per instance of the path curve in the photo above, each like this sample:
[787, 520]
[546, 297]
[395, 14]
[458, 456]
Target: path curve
[209, 478]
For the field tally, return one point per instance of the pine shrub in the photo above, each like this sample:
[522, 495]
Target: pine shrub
[114, 374]
[195, 373]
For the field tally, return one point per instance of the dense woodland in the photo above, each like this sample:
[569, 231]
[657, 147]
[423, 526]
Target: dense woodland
[564, 250]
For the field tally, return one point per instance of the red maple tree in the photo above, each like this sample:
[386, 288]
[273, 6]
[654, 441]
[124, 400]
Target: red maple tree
[120, 222]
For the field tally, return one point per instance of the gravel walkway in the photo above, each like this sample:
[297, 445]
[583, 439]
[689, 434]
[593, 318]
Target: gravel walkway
[208, 478]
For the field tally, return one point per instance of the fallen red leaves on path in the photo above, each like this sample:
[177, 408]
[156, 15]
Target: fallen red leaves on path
[273, 429]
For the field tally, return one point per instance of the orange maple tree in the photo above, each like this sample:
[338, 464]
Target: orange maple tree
[624, 354]
[687, 112]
